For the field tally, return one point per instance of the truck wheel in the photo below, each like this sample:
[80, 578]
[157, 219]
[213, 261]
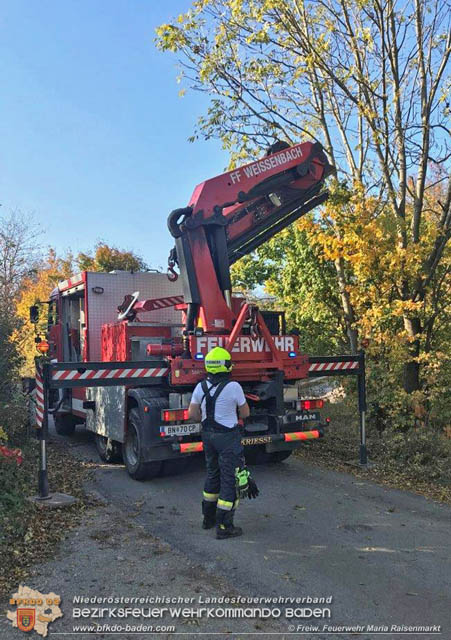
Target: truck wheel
[279, 456]
[133, 451]
[108, 450]
[64, 424]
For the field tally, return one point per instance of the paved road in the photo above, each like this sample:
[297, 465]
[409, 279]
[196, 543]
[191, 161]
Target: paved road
[383, 555]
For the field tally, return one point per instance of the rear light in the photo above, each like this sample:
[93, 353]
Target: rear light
[172, 415]
[310, 404]
[43, 346]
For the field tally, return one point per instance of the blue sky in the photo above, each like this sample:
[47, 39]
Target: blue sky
[93, 133]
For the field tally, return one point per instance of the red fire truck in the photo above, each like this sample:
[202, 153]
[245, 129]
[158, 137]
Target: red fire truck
[166, 323]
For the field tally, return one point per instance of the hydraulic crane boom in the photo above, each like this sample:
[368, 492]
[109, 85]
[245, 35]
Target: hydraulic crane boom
[153, 365]
[231, 215]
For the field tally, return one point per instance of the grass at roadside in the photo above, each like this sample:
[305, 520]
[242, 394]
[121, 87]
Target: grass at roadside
[422, 464]
[29, 533]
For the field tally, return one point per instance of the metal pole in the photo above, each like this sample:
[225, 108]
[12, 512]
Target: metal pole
[361, 383]
[43, 483]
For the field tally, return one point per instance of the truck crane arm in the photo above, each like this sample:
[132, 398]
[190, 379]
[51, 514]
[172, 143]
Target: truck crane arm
[232, 214]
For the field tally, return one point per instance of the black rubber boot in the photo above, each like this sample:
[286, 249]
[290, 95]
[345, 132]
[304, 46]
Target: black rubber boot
[224, 525]
[209, 513]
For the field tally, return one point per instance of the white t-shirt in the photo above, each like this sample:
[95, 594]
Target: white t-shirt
[230, 398]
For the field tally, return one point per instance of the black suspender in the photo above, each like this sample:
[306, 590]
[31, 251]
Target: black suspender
[210, 401]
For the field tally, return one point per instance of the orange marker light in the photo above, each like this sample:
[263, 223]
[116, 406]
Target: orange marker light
[43, 346]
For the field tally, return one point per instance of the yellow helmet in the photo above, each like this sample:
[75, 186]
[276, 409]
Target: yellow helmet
[218, 360]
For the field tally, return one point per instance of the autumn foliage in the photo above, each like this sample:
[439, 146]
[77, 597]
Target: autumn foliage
[368, 80]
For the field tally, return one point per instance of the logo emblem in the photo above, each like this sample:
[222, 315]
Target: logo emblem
[26, 619]
[35, 610]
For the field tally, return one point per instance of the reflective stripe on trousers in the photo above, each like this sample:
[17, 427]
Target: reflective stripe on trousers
[223, 454]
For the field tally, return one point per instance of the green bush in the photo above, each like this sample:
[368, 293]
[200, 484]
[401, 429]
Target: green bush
[16, 481]
[14, 420]
[10, 358]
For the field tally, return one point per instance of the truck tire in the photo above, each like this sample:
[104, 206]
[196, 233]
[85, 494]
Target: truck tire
[65, 424]
[133, 450]
[108, 450]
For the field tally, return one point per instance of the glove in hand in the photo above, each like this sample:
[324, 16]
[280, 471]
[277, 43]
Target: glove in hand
[253, 490]
[242, 482]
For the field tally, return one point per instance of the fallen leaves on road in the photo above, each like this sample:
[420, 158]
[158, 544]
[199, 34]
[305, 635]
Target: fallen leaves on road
[35, 537]
[341, 444]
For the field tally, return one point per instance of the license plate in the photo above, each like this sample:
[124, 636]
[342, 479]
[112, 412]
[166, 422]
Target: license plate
[180, 429]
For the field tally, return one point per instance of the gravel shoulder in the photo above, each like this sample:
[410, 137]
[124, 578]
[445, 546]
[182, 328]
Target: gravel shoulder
[382, 554]
[110, 554]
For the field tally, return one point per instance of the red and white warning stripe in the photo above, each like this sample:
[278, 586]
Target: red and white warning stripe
[108, 374]
[39, 398]
[158, 303]
[333, 366]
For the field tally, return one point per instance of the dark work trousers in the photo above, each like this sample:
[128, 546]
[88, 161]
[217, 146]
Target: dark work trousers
[223, 454]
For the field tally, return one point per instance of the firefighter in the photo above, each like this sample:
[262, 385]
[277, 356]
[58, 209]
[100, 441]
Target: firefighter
[219, 402]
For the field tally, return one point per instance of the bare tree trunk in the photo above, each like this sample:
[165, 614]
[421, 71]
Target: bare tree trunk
[348, 310]
[411, 377]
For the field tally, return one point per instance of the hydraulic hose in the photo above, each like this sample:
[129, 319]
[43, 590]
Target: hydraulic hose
[173, 220]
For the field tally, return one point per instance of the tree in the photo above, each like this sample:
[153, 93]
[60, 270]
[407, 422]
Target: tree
[106, 258]
[10, 358]
[37, 288]
[295, 274]
[367, 79]
[19, 255]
